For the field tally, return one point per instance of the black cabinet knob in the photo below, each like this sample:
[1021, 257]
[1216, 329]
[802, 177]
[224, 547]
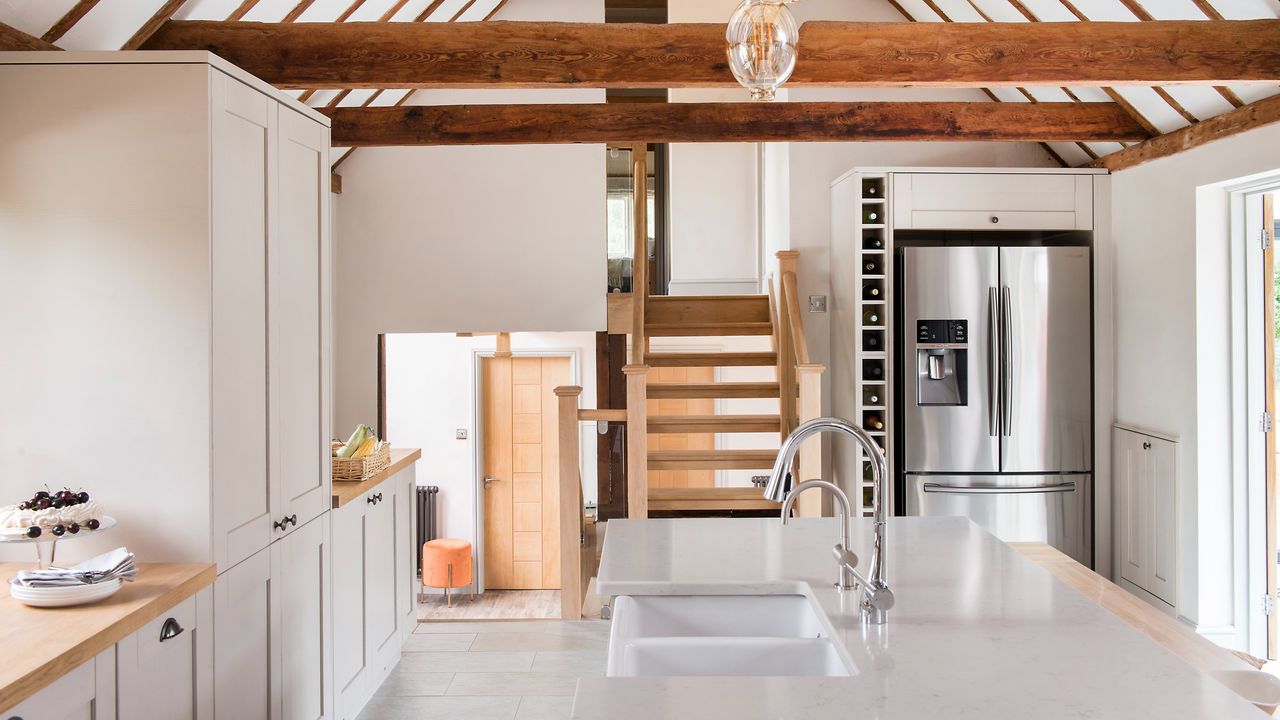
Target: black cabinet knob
[280, 524]
[995, 219]
[1146, 446]
[170, 630]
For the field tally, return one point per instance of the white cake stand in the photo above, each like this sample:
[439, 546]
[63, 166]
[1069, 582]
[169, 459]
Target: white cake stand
[47, 543]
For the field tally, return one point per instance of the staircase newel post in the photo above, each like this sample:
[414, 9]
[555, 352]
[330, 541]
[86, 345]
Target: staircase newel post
[787, 261]
[570, 501]
[809, 407]
[637, 440]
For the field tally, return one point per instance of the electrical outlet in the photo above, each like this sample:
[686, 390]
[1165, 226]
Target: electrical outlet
[817, 303]
[460, 433]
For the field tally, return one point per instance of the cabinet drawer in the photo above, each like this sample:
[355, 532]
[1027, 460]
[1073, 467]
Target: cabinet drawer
[960, 201]
[155, 667]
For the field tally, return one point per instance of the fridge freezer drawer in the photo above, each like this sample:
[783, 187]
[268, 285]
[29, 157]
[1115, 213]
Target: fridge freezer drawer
[1052, 509]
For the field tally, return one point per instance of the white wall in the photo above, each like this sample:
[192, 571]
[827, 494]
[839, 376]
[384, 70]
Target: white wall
[1174, 365]
[431, 393]
[478, 238]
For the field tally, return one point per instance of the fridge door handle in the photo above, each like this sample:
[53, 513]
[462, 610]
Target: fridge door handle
[993, 361]
[1007, 490]
[1006, 362]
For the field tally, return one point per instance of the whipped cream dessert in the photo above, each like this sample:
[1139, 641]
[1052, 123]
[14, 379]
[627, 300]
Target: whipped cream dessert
[15, 521]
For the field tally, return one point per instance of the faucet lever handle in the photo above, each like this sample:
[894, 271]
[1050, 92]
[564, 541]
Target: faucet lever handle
[844, 556]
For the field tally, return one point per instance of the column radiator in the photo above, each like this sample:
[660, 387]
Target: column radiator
[426, 518]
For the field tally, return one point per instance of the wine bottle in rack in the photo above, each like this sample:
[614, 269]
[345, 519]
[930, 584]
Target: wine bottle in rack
[871, 395]
[873, 370]
[871, 215]
[871, 290]
[872, 242]
[871, 342]
[871, 318]
[872, 421]
[866, 471]
[871, 265]
[868, 495]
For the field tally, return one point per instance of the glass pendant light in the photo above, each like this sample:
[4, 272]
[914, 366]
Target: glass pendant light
[761, 38]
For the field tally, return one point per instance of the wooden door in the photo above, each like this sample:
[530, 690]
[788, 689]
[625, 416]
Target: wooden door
[300, 583]
[1272, 296]
[297, 262]
[521, 470]
[681, 441]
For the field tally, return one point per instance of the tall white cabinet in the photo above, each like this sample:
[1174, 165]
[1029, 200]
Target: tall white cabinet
[166, 223]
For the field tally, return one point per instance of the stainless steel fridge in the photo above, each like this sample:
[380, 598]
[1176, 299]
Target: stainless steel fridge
[996, 385]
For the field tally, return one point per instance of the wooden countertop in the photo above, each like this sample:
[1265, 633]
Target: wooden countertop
[344, 491]
[1200, 652]
[43, 644]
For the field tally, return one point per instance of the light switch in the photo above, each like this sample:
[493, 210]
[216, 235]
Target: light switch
[817, 303]
[460, 433]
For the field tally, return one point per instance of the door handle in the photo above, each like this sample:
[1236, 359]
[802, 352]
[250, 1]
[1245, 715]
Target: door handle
[489, 481]
[993, 361]
[170, 630]
[1006, 333]
[1007, 490]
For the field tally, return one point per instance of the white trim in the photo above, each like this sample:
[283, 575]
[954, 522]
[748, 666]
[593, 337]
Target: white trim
[971, 171]
[477, 433]
[1248, 391]
[1158, 434]
[719, 286]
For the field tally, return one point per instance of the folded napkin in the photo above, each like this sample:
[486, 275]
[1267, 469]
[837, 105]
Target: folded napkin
[109, 565]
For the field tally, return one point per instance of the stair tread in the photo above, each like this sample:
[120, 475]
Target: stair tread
[712, 459]
[713, 390]
[711, 359]
[709, 499]
[714, 423]
[718, 329]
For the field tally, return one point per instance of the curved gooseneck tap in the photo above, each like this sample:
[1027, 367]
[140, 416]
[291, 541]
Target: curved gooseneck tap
[877, 598]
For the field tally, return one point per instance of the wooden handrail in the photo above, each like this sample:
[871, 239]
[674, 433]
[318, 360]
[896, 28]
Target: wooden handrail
[800, 347]
[639, 250]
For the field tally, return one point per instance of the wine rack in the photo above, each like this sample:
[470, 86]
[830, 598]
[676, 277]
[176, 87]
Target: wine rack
[873, 276]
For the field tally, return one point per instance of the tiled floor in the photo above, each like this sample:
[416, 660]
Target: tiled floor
[518, 670]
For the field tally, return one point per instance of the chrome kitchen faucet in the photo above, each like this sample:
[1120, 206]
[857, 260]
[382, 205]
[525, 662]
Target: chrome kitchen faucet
[877, 598]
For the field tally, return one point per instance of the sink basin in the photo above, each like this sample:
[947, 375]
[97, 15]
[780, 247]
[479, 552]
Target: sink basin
[722, 635]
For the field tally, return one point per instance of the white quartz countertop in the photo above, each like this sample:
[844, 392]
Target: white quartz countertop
[978, 631]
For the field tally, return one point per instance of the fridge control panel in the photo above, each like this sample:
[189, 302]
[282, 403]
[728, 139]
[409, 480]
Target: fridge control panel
[942, 332]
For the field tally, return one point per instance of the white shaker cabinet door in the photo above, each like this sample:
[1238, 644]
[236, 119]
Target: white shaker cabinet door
[245, 657]
[298, 263]
[156, 668]
[381, 617]
[406, 488]
[86, 693]
[300, 577]
[350, 652]
[244, 171]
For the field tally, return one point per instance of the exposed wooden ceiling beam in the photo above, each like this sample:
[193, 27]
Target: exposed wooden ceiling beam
[11, 38]
[68, 20]
[730, 122]
[1253, 115]
[839, 54]
[157, 19]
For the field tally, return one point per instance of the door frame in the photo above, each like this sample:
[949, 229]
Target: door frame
[574, 355]
[1249, 291]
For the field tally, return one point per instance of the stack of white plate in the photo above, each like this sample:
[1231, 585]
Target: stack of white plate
[63, 596]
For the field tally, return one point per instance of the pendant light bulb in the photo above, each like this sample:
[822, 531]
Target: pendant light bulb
[761, 44]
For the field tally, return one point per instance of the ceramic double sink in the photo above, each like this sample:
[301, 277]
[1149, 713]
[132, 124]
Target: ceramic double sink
[723, 635]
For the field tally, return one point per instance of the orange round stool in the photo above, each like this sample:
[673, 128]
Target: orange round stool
[446, 563]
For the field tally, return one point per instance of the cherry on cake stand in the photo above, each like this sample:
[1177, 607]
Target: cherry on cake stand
[47, 543]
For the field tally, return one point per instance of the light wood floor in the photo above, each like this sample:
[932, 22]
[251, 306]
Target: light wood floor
[519, 604]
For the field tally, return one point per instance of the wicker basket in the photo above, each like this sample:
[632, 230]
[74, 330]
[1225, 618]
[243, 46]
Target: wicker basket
[361, 468]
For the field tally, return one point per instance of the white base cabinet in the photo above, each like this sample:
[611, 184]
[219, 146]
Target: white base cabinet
[272, 650]
[86, 693]
[373, 596]
[1145, 469]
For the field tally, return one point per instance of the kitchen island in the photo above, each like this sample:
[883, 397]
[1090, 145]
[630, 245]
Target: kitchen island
[978, 630]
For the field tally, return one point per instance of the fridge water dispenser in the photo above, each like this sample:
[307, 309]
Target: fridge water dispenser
[942, 362]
